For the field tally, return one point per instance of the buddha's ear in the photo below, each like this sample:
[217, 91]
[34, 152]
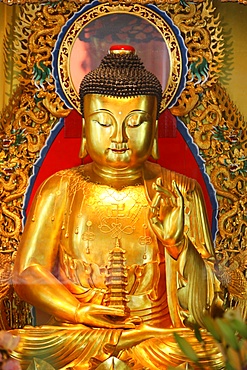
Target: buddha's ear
[155, 148]
[83, 150]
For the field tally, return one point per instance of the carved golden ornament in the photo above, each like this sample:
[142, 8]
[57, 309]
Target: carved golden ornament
[244, 2]
[111, 2]
[38, 2]
[32, 112]
[219, 131]
[202, 35]
[143, 2]
[25, 124]
[82, 2]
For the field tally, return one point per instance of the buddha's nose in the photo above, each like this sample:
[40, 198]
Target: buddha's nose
[119, 134]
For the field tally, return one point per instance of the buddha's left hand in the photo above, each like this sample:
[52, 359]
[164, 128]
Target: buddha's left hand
[167, 217]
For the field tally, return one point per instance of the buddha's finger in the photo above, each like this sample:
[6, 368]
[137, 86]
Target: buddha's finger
[164, 202]
[158, 202]
[105, 310]
[155, 202]
[136, 320]
[159, 181]
[176, 189]
[162, 190]
[170, 202]
[103, 323]
[106, 322]
[179, 195]
[155, 221]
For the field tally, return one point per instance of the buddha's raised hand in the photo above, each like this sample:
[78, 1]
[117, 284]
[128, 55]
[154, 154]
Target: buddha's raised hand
[166, 216]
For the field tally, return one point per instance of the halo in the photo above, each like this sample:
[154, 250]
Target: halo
[87, 36]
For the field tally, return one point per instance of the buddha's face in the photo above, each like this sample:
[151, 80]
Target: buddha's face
[120, 131]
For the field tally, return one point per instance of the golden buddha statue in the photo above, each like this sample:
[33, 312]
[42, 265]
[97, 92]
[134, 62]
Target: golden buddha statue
[119, 250]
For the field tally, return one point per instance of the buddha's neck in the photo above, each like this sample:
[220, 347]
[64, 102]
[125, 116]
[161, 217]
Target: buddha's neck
[117, 178]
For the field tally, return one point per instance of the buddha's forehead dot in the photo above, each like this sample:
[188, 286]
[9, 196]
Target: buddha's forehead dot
[120, 112]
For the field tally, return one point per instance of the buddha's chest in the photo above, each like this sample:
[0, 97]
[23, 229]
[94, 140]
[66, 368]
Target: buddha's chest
[101, 217]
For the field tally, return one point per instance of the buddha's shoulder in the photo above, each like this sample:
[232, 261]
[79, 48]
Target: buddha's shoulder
[75, 175]
[74, 172]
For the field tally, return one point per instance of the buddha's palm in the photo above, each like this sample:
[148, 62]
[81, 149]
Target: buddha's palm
[100, 316]
[167, 215]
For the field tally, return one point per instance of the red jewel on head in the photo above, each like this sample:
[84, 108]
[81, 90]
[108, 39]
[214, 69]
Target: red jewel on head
[122, 49]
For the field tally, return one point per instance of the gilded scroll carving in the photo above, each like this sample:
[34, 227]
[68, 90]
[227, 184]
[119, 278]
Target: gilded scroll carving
[25, 124]
[205, 50]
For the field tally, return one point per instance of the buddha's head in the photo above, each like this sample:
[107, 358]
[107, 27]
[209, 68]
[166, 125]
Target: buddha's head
[120, 103]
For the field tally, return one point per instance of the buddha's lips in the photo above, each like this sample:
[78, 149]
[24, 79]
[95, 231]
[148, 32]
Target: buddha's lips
[119, 151]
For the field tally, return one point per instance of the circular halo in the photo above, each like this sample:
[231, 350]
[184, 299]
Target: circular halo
[86, 37]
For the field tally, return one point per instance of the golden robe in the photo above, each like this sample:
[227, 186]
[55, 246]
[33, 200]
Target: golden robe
[79, 222]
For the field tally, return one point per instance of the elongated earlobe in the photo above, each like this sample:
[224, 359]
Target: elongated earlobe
[155, 148]
[83, 150]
